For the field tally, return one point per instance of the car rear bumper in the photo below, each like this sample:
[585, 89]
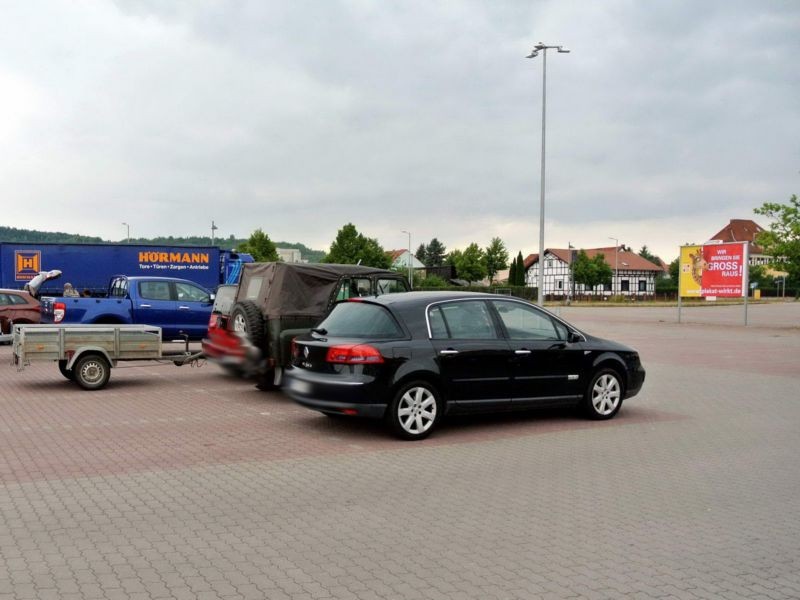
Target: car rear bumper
[357, 397]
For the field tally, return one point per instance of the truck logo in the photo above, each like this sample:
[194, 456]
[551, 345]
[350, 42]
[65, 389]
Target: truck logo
[152, 261]
[174, 257]
[27, 264]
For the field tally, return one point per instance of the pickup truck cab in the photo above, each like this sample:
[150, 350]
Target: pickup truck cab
[178, 306]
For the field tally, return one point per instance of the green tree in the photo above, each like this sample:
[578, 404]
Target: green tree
[782, 240]
[260, 247]
[591, 272]
[758, 274]
[674, 270]
[520, 279]
[435, 253]
[453, 257]
[422, 255]
[351, 247]
[495, 258]
[470, 264]
[512, 273]
[647, 255]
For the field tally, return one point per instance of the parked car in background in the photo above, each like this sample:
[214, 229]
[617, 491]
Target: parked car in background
[412, 358]
[278, 301]
[17, 306]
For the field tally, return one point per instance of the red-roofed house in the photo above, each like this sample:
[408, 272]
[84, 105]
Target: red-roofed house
[632, 274]
[744, 230]
[400, 259]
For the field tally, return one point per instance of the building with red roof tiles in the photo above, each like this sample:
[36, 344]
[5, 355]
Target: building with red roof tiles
[400, 259]
[744, 230]
[632, 274]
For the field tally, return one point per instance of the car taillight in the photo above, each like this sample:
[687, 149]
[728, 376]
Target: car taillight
[355, 354]
[59, 310]
[295, 349]
[212, 322]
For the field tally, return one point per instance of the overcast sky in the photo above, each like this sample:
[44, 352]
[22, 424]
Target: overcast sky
[666, 120]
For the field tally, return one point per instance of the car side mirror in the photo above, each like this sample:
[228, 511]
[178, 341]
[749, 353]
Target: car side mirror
[212, 297]
[574, 337]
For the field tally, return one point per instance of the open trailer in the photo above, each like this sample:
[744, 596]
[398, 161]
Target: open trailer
[86, 353]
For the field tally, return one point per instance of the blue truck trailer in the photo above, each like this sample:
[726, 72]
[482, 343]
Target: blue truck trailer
[91, 266]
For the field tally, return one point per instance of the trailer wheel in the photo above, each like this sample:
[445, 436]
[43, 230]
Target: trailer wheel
[68, 373]
[92, 371]
[246, 318]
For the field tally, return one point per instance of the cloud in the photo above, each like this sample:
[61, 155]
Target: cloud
[299, 117]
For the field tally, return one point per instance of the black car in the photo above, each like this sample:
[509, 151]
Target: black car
[411, 358]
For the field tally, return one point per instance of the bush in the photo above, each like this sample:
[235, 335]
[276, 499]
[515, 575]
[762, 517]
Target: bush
[432, 282]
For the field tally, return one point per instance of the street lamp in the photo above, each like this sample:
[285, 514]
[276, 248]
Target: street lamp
[543, 48]
[616, 263]
[128, 228]
[410, 275]
[213, 229]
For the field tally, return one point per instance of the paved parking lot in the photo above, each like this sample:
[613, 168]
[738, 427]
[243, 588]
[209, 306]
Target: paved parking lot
[183, 483]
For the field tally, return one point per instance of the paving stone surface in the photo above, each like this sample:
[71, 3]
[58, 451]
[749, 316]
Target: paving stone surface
[185, 483]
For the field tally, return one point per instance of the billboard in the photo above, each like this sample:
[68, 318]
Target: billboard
[713, 270]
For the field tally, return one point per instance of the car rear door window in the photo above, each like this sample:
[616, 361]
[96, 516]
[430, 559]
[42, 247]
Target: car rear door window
[17, 299]
[527, 323]
[465, 320]
[154, 290]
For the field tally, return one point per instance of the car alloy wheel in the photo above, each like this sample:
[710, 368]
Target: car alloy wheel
[239, 323]
[604, 395]
[414, 411]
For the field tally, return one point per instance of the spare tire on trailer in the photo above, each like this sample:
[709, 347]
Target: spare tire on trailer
[246, 318]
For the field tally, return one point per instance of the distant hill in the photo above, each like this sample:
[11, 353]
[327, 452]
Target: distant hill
[12, 234]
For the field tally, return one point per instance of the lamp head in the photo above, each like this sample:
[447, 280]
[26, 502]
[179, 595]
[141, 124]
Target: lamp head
[533, 54]
[563, 49]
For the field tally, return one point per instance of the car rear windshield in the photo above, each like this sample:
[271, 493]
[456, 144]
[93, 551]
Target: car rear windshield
[226, 296]
[360, 320]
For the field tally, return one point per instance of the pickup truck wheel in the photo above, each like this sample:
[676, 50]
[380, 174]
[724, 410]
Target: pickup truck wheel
[92, 371]
[246, 318]
[68, 373]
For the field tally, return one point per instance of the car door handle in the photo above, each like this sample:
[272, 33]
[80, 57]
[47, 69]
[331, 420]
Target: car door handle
[522, 352]
[144, 306]
[448, 352]
[183, 308]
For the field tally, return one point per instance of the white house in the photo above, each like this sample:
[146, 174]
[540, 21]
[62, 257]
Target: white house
[290, 255]
[632, 275]
[401, 258]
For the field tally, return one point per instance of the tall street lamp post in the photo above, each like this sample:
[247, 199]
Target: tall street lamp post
[410, 275]
[128, 229]
[543, 48]
[616, 263]
[213, 229]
